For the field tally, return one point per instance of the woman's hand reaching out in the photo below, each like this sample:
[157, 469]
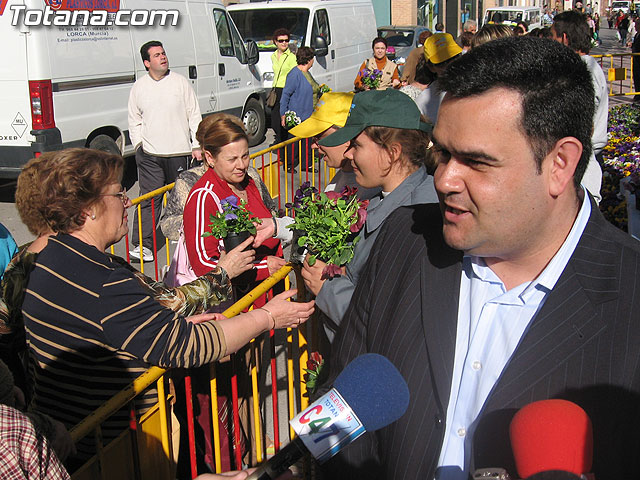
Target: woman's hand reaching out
[238, 260]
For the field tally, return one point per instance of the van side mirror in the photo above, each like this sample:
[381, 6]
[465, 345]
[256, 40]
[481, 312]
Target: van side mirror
[319, 45]
[253, 55]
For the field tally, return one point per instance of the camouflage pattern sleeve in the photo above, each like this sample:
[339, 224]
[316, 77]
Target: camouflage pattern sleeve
[171, 220]
[193, 298]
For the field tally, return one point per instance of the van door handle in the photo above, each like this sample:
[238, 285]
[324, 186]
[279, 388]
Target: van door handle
[333, 54]
[221, 69]
[193, 72]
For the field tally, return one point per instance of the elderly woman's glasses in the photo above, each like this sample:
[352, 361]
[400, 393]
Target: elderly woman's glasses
[122, 195]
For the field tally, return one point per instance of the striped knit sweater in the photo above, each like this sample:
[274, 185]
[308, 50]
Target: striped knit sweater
[93, 328]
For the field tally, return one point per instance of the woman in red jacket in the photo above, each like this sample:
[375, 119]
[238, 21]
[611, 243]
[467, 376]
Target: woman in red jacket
[226, 153]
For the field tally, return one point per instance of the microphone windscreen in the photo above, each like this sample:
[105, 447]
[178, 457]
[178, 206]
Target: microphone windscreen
[551, 435]
[374, 389]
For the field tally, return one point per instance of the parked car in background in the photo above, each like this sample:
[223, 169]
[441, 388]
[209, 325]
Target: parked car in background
[512, 15]
[403, 39]
[623, 5]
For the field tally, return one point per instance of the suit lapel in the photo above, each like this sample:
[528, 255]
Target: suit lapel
[439, 319]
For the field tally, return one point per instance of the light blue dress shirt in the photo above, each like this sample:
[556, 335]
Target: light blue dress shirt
[491, 323]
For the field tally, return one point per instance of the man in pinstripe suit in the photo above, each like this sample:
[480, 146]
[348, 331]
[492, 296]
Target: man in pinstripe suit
[513, 289]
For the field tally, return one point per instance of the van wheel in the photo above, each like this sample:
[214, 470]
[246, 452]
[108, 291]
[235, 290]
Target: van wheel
[106, 144]
[254, 122]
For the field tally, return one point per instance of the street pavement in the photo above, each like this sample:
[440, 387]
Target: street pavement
[611, 46]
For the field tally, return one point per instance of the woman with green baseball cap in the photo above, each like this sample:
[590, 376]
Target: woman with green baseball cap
[388, 149]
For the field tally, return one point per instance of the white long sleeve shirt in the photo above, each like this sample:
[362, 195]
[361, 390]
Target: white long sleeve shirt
[164, 115]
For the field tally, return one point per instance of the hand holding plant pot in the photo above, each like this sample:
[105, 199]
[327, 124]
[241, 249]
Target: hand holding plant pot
[238, 260]
[313, 275]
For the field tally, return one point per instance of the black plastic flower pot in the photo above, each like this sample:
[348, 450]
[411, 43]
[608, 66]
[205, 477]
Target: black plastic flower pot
[232, 240]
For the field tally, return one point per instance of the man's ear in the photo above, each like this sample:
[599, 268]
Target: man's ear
[146, 64]
[565, 39]
[562, 162]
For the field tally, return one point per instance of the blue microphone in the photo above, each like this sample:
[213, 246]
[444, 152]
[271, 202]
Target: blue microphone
[369, 394]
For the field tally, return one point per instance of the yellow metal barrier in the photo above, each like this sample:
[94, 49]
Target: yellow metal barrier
[619, 70]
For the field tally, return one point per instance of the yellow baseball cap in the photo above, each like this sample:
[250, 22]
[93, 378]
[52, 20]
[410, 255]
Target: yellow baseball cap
[332, 109]
[440, 47]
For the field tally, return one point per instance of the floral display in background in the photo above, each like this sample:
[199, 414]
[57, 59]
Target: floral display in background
[621, 160]
[234, 218]
[328, 224]
[371, 78]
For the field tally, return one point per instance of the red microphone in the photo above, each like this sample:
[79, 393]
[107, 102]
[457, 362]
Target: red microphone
[551, 435]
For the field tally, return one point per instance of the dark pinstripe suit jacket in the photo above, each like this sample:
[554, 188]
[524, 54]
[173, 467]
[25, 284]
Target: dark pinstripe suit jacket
[583, 345]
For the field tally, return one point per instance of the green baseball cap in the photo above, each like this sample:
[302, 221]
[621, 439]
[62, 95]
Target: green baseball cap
[379, 108]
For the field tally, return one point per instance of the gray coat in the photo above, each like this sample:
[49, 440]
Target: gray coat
[335, 295]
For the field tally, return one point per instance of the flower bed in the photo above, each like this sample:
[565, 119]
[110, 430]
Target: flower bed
[621, 160]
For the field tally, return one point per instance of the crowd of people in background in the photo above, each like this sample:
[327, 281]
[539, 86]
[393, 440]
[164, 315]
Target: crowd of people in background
[517, 220]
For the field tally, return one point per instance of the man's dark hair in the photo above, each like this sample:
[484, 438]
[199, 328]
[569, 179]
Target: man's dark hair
[423, 74]
[465, 39]
[304, 55]
[574, 25]
[144, 49]
[423, 36]
[554, 83]
[379, 40]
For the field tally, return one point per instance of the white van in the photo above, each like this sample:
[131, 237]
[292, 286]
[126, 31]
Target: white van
[341, 32]
[512, 15]
[623, 5]
[68, 86]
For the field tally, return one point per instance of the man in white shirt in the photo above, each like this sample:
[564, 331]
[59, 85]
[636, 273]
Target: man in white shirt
[163, 118]
[570, 28]
[513, 289]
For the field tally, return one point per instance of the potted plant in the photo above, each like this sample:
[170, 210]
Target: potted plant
[371, 78]
[291, 119]
[233, 224]
[329, 224]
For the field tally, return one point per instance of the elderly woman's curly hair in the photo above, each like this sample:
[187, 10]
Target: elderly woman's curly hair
[28, 195]
[71, 181]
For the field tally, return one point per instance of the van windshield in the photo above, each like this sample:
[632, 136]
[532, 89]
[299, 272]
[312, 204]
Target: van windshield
[397, 38]
[503, 16]
[259, 25]
[616, 5]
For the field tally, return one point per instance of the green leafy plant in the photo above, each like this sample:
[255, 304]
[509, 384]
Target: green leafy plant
[330, 223]
[234, 218]
[324, 88]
